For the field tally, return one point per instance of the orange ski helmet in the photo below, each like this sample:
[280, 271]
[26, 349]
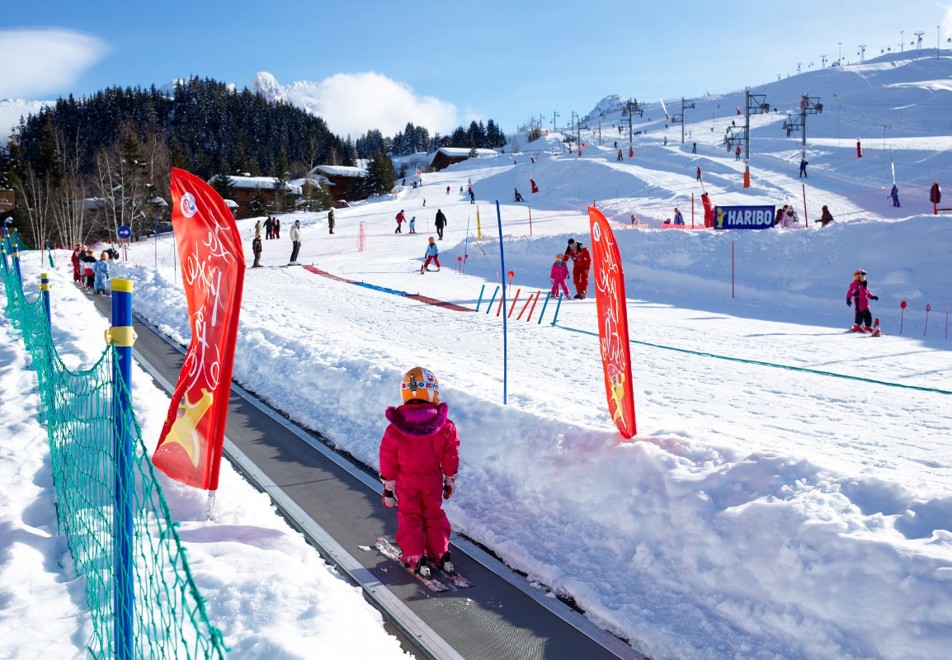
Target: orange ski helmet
[420, 384]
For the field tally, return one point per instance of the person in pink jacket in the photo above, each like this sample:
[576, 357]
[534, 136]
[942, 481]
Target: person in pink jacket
[858, 297]
[558, 275]
[419, 459]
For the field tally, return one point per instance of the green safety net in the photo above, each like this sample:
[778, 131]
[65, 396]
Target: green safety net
[168, 617]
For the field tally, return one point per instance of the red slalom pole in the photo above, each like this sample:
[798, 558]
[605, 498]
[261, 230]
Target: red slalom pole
[514, 301]
[902, 314]
[539, 293]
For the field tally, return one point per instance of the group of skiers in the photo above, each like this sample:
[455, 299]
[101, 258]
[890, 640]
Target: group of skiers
[92, 274]
[272, 227]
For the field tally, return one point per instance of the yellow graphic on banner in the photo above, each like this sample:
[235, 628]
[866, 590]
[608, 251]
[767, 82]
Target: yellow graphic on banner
[183, 430]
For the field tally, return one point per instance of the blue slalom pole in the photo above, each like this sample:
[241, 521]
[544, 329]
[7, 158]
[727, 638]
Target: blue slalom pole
[492, 300]
[557, 306]
[122, 337]
[548, 294]
[45, 292]
[481, 290]
[505, 338]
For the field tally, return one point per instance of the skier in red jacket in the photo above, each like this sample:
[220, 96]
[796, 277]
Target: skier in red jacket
[419, 459]
[581, 264]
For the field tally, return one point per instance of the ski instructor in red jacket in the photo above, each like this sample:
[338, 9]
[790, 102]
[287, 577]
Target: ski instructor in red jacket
[581, 264]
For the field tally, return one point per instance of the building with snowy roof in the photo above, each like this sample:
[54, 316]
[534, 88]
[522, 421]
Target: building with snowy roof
[446, 156]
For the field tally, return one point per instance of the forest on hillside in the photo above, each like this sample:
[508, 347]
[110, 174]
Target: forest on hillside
[80, 168]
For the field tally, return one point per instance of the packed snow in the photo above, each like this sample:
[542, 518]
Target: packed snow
[789, 491]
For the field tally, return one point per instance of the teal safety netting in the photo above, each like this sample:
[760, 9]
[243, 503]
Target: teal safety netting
[167, 617]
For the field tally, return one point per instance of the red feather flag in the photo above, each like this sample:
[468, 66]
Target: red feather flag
[612, 323]
[213, 271]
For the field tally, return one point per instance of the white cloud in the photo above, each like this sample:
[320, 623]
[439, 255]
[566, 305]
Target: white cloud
[352, 103]
[43, 62]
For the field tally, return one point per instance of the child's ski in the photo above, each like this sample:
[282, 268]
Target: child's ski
[390, 551]
[456, 579]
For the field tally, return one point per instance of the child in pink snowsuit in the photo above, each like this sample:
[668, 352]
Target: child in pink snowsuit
[558, 275]
[419, 458]
[859, 292]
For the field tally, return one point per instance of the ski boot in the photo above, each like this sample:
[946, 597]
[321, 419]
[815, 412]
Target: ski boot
[420, 567]
[446, 565]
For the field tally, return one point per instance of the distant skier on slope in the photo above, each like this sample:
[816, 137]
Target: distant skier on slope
[419, 461]
[894, 195]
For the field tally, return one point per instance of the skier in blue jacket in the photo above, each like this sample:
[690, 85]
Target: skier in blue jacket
[432, 254]
[101, 271]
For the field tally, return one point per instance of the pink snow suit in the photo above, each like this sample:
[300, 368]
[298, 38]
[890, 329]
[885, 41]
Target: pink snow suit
[418, 448]
[859, 294]
[558, 275]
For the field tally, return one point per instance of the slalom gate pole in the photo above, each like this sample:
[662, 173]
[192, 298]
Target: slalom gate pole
[548, 295]
[3, 251]
[806, 219]
[524, 306]
[492, 300]
[514, 301]
[558, 304]
[529, 206]
[505, 329]
[539, 293]
[480, 299]
[122, 336]
[499, 305]
[925, 329]
[45, 292]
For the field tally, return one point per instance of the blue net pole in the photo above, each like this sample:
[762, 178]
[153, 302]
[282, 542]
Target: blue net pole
[122, 337]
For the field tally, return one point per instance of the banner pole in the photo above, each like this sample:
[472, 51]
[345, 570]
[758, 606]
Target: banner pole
[122, 337]
[502, 301]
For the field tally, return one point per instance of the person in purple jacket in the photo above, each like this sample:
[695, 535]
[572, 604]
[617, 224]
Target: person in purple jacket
[558, 275]
[858, 297]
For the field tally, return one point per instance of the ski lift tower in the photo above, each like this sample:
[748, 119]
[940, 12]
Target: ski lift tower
[679, 118]
[809, 105]
[755, 104]
[632, 108]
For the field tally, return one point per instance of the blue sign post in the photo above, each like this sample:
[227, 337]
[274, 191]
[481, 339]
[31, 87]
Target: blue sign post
[125, 232]
[744, 217]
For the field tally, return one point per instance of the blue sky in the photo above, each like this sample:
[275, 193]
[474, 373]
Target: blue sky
[441, 64]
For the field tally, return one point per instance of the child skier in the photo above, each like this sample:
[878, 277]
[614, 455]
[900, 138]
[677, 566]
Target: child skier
[101, 270]
[558, 275]
[432, 254]
[859, 292]
[256, 249]
[419, 459]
